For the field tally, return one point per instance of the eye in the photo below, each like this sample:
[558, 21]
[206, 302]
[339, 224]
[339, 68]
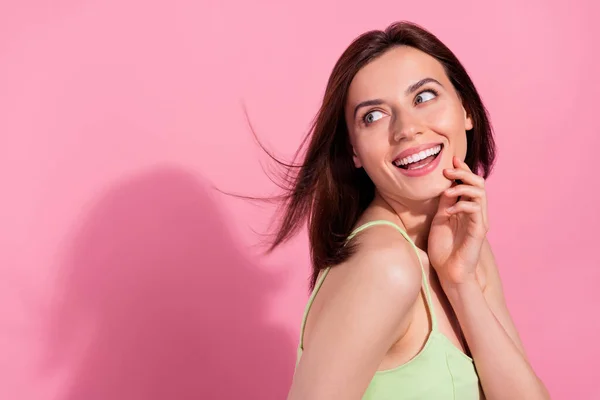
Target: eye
[372, 116]
[425, 96]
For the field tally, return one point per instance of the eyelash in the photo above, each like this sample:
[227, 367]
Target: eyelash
[435, 92]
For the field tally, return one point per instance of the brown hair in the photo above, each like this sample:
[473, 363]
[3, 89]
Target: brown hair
[326, 189]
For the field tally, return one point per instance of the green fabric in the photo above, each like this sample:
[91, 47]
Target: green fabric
[440, 371]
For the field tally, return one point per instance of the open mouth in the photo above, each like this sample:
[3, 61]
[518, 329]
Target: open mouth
[419, 160]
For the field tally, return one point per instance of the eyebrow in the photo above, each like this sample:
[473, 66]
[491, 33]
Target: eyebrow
[374, 102]
[411, 89]
[416, 86]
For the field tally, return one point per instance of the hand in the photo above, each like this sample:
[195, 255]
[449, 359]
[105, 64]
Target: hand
[459, 228]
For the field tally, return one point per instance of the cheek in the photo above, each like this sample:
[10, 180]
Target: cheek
[373, 149]
[449, 123]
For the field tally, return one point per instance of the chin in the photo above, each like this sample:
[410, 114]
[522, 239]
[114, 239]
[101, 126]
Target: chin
[424, 188]
[431, 191]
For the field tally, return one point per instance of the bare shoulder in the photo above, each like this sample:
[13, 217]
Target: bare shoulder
[386, 260]
[384, 270]
[366, 306]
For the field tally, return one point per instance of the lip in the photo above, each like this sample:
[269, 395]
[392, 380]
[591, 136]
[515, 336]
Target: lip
[423, 170]
[415, 150]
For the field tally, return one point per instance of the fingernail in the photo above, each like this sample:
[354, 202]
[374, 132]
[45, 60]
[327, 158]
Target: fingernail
[450, 209]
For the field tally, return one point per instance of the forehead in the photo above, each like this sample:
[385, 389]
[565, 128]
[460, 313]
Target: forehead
[392, 72]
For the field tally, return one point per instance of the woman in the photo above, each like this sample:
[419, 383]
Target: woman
[407, 302]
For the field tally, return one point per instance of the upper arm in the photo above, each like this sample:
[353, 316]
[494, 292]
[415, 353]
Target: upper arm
[494, 295]
[367, 310]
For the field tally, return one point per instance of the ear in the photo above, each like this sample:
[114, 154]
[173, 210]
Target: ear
[468, 120]
[356, 160]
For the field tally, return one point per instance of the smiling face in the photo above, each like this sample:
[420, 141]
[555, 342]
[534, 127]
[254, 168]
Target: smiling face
[405, 122]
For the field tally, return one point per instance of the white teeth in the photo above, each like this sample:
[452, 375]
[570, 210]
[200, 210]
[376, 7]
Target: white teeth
[418, 156]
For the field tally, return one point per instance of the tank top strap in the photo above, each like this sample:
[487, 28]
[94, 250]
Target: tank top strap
[415, 248]
[356, 231]
[311, 299]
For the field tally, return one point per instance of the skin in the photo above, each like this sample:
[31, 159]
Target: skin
[352, 307]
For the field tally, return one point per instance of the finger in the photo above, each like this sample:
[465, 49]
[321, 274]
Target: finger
[472, 192]
[446, 201]
[469, 207]
[458, 163]
[465, 176]
[472, 209]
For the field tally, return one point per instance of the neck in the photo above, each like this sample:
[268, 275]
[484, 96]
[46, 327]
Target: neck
[416, 216]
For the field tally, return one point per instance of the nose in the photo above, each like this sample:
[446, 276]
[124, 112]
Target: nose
[406, 126]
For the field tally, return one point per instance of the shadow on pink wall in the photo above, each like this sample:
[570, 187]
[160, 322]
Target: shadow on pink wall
[156, 302]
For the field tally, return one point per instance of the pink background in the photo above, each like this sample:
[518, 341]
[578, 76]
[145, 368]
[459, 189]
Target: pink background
[124, 276]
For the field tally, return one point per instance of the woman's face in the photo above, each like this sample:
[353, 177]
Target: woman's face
[405, 122]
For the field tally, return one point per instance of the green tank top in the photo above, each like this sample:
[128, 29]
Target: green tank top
[440, 371]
